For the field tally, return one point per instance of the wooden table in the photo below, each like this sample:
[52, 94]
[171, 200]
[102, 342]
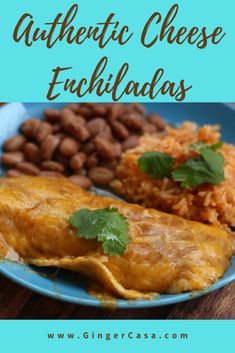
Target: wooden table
[17, 302]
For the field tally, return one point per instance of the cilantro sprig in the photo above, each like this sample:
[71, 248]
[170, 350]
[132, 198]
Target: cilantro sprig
[199, 145]
[156, 164]
[207, 167]
[106, 225]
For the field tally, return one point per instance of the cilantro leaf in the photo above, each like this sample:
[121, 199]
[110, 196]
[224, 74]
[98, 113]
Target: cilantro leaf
[106, 225]
[217, 145]
[215, 162]
[199, 144]
[208, 167]
[156, 164]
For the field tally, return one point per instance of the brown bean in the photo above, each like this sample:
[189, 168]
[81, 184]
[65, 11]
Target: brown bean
[52, 115]
[110, 165]
[105, 148]
[101, 176]
[92, 161]
[69, 119]
[13, 173]
[149, 128]
[133, 121]
[95, 126]
[49, 147]
[106, 134]
[56, 128]
[137, 107]
[73, 106]
[74, 124]
[69, 147]
[157, 121]
[80, 132]
[88, 147]
[80, 119]
[44, 130]
[84, 112]
[53, 166]
[118, 149]
[130, 142]
[60, 135]
[100, 109]
[48, 173]
[28, 168]
[14, 143]
[62, 160]
[81, 181]
[32, 153]
[81, 172]
[120, 130]
[78, 161]
[30, 127]
[11, 159]
[116, 111]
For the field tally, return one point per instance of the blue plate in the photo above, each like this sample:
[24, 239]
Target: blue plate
[68, 286]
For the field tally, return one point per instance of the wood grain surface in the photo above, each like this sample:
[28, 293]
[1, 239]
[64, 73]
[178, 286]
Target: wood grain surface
[17, 302]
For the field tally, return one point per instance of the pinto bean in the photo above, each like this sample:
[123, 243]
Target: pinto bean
[30, 127]
[157, 121]
[101, 176]
[133, 121]
[69, 120]
[65, 161]
[48, 173]
[130, 142]
[28, 168]
[81, 181]
[116, 111]
[88, 147]
[110, 165]
[13, 173]
[92, 161]
[73, 106]
[14, 143]
[106, 134]
[52, 166]
[120, 131]
[100, 109]
[84, 112]
[73, 124]
[44, 130]
[49, 147]
[10, 159]
[78, 161]
[80, 132]
[32, 153]
[52, 115]
[69, 146]
[96, 126]
[136, 107]
[118, 149]
[105, 149]
[149, 128]
[56, 128]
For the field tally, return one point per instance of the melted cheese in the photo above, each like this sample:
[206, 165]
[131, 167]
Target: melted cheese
[167, 254]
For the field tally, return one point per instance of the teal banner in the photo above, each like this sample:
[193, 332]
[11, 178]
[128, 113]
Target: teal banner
[116, 336]
[166, 51]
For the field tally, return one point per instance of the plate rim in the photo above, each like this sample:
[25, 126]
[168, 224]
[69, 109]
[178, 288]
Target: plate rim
[120, 303]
